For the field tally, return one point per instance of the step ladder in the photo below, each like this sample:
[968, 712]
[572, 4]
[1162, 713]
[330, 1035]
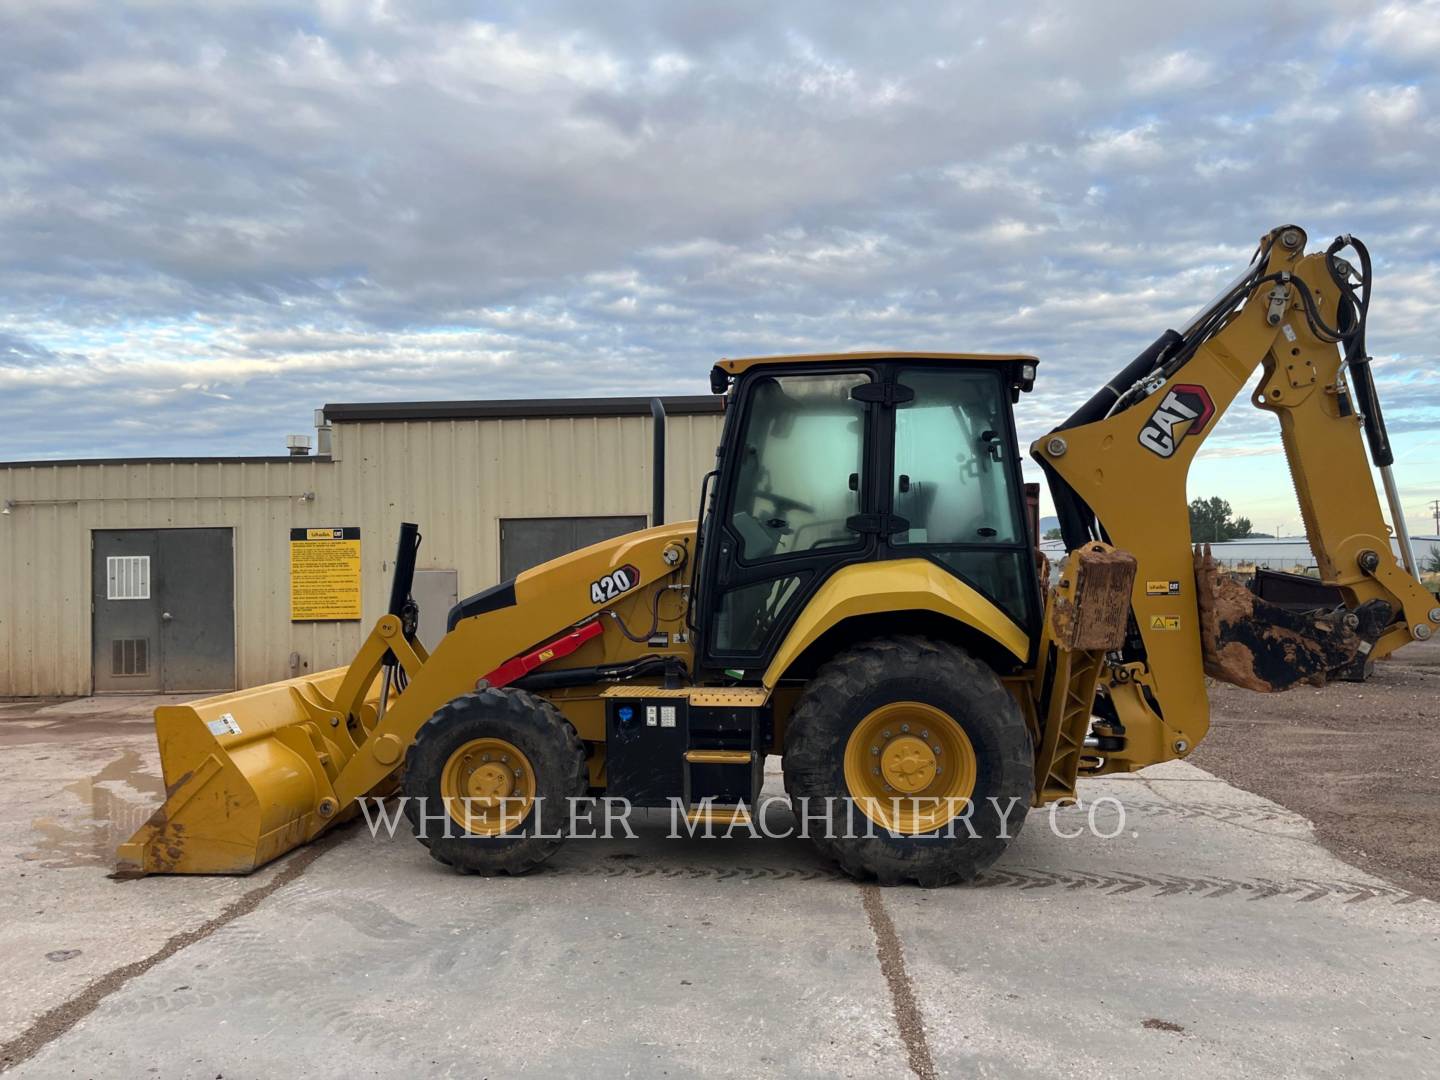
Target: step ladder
[720, 785]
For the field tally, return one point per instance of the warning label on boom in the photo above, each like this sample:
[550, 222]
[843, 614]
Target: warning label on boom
[324, 574]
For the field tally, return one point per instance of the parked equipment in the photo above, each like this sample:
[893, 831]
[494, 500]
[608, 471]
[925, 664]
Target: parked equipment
[860, 595]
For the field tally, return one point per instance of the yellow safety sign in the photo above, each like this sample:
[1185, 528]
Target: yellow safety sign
[324, 574]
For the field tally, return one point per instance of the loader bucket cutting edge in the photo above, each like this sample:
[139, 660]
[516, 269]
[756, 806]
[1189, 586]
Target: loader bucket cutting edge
[245, 774]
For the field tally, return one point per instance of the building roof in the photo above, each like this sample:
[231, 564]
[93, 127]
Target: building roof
[739, 364]
[238, 459]
[519, 409]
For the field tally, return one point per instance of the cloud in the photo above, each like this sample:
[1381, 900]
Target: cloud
[1409, 31]
[1179, 70]
[215, 217]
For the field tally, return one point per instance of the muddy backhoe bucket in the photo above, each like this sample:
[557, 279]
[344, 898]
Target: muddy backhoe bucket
[247, 778]
[1252, 643]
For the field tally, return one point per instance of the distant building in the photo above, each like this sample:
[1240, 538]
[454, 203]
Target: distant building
[174, 574]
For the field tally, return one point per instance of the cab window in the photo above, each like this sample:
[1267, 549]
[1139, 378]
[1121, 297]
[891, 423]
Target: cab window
[952, 482]
[955, 483]
[798, 478]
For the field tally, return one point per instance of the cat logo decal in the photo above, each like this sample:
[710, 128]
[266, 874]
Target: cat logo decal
[1185, 409]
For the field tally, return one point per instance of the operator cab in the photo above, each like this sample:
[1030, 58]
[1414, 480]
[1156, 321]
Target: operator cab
[837, 459]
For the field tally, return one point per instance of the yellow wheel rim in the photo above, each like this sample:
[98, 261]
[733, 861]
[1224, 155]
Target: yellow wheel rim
[488, 786]
[909, 767]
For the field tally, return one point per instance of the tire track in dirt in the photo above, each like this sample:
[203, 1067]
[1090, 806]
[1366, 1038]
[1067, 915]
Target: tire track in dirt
[1112, 882]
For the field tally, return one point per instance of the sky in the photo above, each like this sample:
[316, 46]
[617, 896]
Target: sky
[215, 218]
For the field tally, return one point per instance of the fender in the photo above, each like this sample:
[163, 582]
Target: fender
[893, 586]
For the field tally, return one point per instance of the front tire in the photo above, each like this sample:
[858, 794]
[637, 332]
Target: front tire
[924, 757]
[488, 779]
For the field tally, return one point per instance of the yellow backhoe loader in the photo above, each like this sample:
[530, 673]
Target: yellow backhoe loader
[862, 594]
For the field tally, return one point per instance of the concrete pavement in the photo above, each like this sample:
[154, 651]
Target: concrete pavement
[1209, 933]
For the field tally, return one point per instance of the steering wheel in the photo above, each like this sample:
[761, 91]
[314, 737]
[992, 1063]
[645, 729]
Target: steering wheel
[784, 503]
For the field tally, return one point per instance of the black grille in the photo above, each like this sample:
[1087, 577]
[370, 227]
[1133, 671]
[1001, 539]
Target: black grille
[130, 656]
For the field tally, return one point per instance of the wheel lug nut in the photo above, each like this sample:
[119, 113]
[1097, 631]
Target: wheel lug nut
[925, 734]
[904, 727]
[885, 734]
[875, 771]
[936, 748]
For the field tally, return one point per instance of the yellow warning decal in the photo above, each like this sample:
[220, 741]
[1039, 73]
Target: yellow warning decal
[1164, 622]
[325, 574]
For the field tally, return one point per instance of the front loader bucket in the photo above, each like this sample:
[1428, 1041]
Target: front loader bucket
[247, 778]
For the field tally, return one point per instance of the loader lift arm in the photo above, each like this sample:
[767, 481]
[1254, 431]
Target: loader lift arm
[1117, 469]
[253, 774]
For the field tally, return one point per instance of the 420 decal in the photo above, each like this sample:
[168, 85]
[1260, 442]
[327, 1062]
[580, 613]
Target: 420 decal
[613, 584]
[1185, 410]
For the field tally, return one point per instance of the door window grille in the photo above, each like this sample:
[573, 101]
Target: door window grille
[127, 577]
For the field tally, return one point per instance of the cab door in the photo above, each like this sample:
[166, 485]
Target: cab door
[796, 489]
[954, 489]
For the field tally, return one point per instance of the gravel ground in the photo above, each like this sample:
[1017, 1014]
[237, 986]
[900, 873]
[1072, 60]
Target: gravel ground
[1360, 760]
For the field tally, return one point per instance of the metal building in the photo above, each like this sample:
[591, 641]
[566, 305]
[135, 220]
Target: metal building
[174, 574]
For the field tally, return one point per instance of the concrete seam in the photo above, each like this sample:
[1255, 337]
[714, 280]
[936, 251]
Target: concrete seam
[55, 1022]
[902, 991]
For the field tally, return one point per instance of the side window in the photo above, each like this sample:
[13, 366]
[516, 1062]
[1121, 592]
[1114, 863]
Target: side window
[798, 478]
[952, 482]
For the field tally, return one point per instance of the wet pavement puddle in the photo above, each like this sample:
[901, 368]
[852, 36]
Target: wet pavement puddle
[120, 798]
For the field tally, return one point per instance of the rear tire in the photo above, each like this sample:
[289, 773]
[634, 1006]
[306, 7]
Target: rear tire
[542, 750]
[847, 706]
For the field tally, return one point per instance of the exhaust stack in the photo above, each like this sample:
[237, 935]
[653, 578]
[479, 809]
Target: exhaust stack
[657, 464]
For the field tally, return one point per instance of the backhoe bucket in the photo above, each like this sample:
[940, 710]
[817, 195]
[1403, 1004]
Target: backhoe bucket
[247, 777]
[1252, 643]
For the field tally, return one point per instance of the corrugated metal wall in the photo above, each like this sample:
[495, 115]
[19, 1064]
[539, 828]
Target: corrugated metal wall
[457, 478]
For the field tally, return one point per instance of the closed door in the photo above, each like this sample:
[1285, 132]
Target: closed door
[793, 492]
[527, 542]
[435, 593]
[164, 610]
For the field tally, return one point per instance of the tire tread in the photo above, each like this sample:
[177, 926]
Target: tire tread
[815, 740]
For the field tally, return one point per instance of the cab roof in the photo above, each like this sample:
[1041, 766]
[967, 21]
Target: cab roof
[736, 366]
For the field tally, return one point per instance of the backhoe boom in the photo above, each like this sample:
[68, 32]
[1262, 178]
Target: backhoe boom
[1118, 468]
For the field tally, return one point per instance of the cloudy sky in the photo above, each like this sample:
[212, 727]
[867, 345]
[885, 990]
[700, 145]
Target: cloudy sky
[214, 218]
